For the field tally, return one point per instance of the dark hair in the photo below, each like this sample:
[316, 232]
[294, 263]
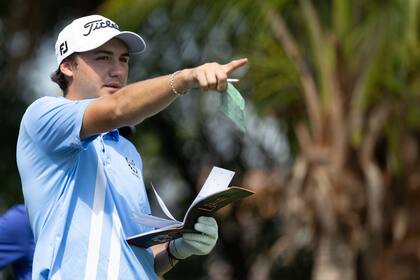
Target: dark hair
[59, 78]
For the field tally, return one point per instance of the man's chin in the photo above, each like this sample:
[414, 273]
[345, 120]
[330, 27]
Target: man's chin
[110, 90]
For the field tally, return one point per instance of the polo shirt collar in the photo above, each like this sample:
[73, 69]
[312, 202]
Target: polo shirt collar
[112, 135]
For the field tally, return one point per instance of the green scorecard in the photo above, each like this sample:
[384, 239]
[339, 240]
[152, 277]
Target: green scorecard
[232, 105]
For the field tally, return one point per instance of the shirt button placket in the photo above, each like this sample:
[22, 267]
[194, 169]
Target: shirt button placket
[103, 152]
[107, 156]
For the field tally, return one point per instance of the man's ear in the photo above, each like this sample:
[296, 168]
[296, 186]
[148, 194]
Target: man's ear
[66, 67]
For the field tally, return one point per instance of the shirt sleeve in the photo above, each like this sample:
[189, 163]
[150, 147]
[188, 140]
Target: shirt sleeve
[14, 225]
[54, 123]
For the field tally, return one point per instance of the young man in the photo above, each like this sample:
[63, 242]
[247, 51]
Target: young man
[82, 181]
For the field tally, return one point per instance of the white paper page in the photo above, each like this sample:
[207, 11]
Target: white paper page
[162, 205]
[153, 221]
[217, 180]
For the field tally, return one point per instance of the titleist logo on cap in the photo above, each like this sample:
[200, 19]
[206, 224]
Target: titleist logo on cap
[89, 32]
[98, 24]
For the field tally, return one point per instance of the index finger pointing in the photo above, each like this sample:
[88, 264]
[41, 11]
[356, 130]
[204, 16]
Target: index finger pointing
[234, 64]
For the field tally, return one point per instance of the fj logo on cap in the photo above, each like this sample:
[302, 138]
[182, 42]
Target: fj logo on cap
[63, 48]
[98, 24]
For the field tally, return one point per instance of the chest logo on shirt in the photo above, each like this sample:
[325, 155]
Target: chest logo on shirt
[133, 168]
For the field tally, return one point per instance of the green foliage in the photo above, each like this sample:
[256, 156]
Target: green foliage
[372, 46]
[129, 13]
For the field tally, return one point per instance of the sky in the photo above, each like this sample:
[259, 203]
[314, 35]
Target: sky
[38, 82]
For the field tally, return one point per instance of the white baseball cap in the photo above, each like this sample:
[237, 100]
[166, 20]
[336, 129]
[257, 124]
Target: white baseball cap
[88, 33]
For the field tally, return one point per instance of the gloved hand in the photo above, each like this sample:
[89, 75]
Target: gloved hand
[196, 243]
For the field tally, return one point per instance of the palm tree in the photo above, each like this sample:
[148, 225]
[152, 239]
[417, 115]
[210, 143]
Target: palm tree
[353, 186]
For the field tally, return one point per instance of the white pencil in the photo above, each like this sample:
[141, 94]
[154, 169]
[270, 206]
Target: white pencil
[230, 80]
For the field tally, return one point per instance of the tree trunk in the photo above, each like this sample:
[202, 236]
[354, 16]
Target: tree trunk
[334, 260]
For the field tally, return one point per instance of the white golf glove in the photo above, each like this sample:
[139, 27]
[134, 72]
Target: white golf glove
[196, 243]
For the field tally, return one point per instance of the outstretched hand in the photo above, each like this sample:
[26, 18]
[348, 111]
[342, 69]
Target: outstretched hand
[213, 75]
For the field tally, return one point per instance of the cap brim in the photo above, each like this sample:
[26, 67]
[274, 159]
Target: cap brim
[134, 42]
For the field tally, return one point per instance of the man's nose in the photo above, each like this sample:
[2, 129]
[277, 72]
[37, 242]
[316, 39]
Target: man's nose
[118, 69]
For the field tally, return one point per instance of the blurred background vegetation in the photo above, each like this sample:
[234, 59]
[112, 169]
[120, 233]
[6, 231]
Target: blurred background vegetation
[333, 125]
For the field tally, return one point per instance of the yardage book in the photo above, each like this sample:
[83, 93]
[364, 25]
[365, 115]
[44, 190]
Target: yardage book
[214, 195]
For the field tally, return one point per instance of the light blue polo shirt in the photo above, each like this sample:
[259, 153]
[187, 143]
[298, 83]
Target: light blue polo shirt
[81, 196]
